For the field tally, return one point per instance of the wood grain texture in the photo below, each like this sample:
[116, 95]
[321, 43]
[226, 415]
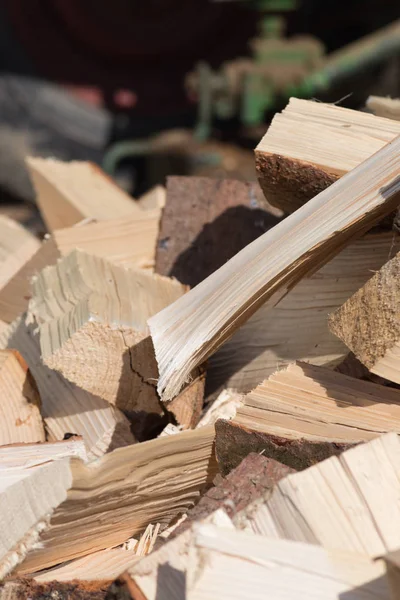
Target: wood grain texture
[296, 327]
[311, 144]
[194, 327]
[368, 322]
[67, 193]
[20, 418]
[17, 245]
[92, 319]
[65, 407]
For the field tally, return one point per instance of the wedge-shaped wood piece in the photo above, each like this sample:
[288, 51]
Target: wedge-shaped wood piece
[69, 192]
[199, 213]
[296, 328]
[360, 497]
[65, 407]
[34, 480]
[20, 418]
[153, 199]
[130, 241]
[232, 565]
[369, 324]
[303, 414]
[161, 574]
[15, 295]
[117, 496]
[311, 144]
[384, 107]
[187, 332]
[17, 246]
[92, 317]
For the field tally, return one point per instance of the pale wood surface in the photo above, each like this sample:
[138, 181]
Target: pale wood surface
[187, 332]
[111, 499]
[369, 325]
[296, 327]
[69, 192]
[384, 107]
[92, 318]
[153, 199]
[20, 418]
[65, 407]
[26, 456]
[17, 246]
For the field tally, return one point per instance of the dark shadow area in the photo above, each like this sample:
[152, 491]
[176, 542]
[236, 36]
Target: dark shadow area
[219, 241]
[171, 583]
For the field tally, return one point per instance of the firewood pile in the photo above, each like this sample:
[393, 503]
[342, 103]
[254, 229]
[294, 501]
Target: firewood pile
[200, 389]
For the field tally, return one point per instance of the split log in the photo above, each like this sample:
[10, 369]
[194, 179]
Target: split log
[384, 107]
[198, 214]
[304, 414]
[26, 456]
[65, 407]
[17, 246]
[92, 319]
[311, 144]
[100, 505]
[369, 325]
[231, 565]
[187, 332]
[250, 480]
[67, 193]
[25, 588]
[153, 199]
[129, 242]
[20, 418]
[223, 407]
[28, 496]
[359, 490]
[296, 328]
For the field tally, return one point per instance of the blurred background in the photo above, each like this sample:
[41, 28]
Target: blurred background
[151, 88]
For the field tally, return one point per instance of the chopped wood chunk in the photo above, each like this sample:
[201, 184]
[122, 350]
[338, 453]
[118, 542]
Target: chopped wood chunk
[303, 414]
[368, 323]
[231, 565]
[92, 319]
[20, 418]
[347, 503]
[223, 407]
[297, 327]
[195, 326]
[153, 199]
[25, 456]
[104, 503]
[384, 107]
[70, 192]
[25, 588]
[65, 407]
[204, 223]
[17, 246]
[311, 144]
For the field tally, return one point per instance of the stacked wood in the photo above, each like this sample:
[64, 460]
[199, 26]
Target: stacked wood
[119, 477]
[311, 144]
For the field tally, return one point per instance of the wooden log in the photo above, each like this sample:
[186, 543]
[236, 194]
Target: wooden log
[297, 327]
[17, 245]
[67, 193]
[368, 322]
[198, 214]
[65, 407]
[231, 565]
[188, 331]
[71, 590]
[358, 490]
[129, 242]
[20, 418]
[304, 414]
[26, 456]
[311, 144]
[92, 319]
[247, 482]
[384, 107]
[105, 503]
